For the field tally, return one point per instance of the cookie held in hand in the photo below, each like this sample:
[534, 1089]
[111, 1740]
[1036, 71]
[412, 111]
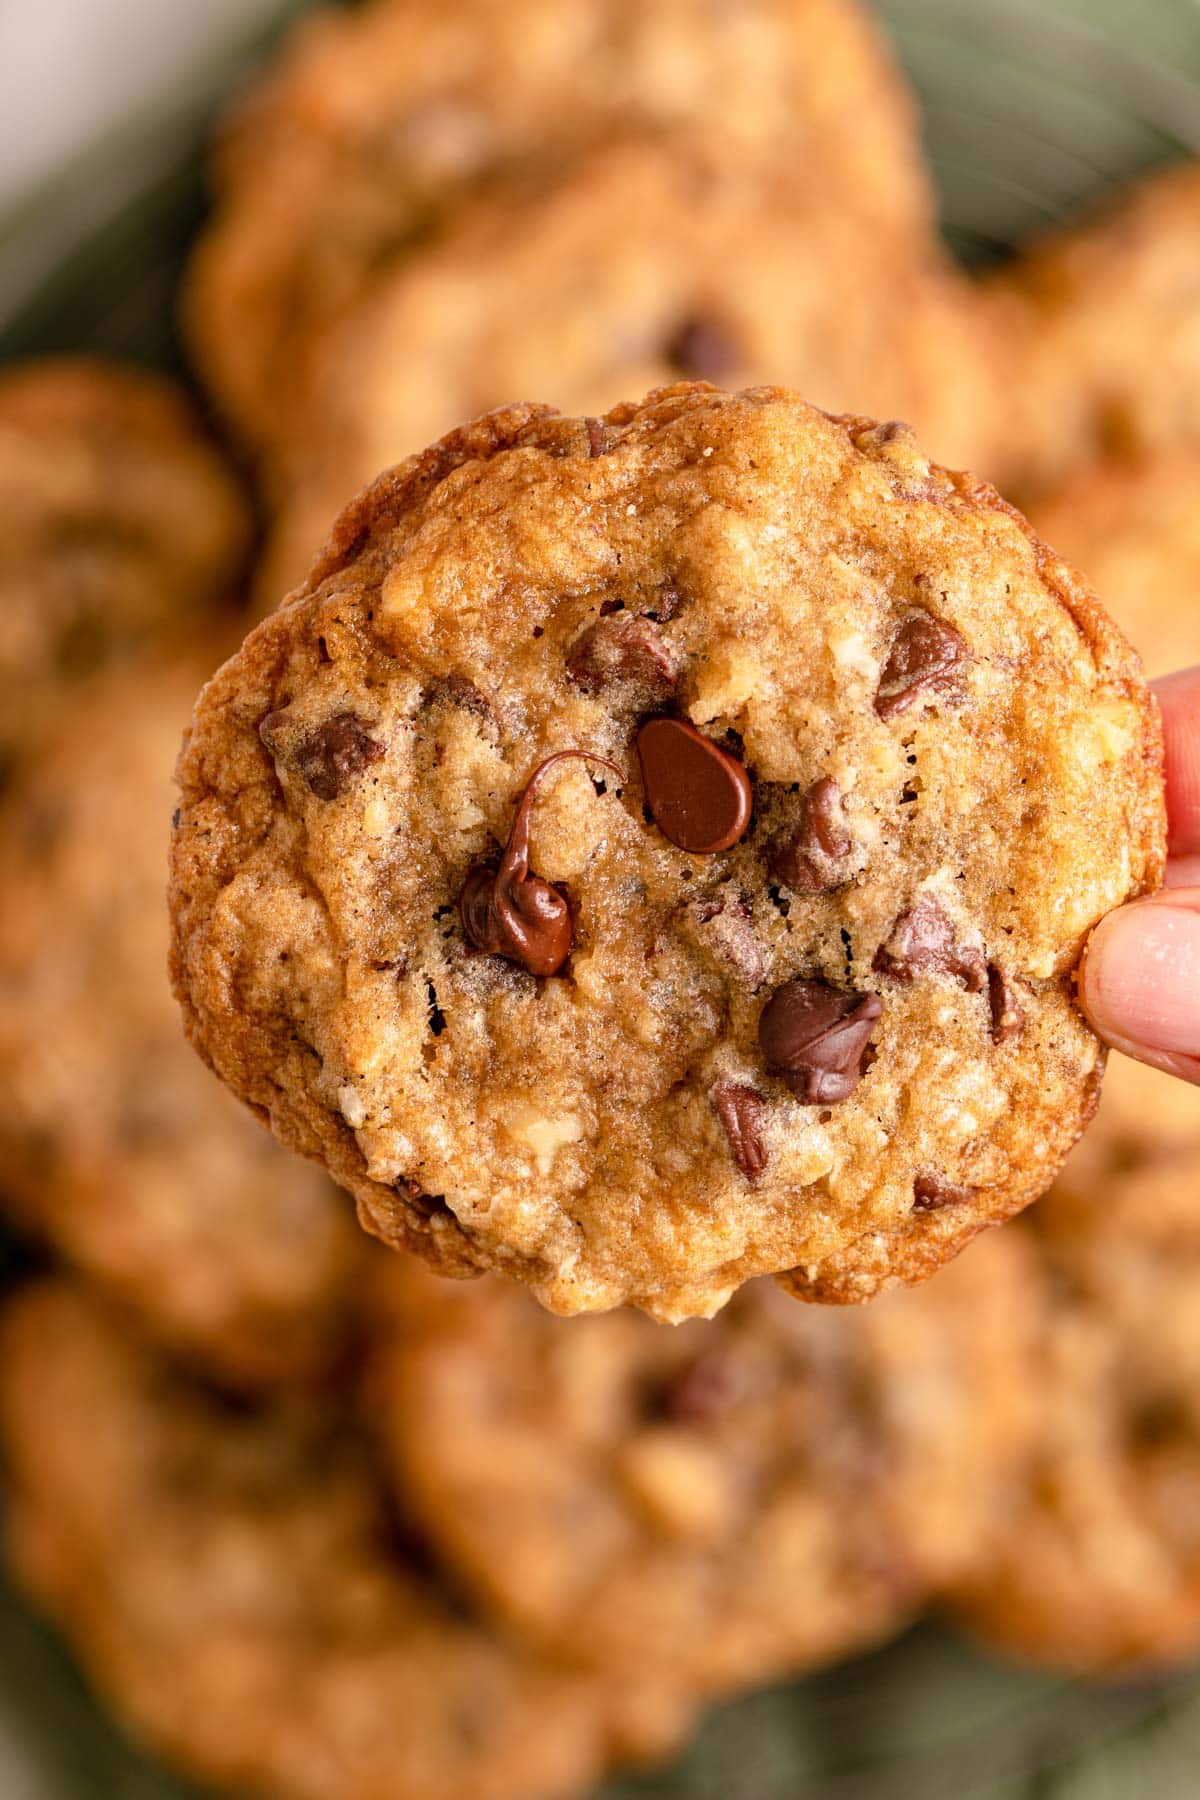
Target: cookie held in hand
[809, 653]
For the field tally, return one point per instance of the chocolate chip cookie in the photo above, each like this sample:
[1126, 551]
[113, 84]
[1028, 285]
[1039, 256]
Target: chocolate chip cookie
[654, 849]
[120, 520]
[645, 263]
[375, 123]
[727, 1502]
[1100, 1570]
[115, 1145]
[1103, 320]
[234, 1584]
[1134, 525]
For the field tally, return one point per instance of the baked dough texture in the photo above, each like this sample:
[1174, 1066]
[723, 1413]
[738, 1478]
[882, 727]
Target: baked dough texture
[832, 1036]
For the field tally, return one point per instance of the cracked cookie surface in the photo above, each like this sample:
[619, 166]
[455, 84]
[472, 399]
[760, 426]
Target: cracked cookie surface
[835, 1046]
[726, 1503]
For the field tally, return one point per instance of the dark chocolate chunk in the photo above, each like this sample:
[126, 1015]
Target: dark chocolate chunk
[931, 1193]
[624, 651]
[1008, 1015]
[922, 942]
[330, 757]
[703, 349]
[508, 912]
[926, 658]
[740, 1110]
[811, 853]
[814, 1037]
[698, 794]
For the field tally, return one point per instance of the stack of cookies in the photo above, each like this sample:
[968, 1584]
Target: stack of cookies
[318, 1523]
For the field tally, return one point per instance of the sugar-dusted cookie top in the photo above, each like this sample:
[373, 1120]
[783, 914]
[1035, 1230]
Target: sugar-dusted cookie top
[654, 850]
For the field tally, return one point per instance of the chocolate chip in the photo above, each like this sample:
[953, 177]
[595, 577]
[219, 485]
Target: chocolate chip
[705, 1390]
[699, 796]
[330, 757]
[703, 349]
[456, 690]
[725, 926]
[814, 1037]
[508, 912]
[812, 852]
[597, 431]
[624, 652]
[926, 657]
[931, 1193]
[740, 1110]
[1008, 1015]
[922, 942]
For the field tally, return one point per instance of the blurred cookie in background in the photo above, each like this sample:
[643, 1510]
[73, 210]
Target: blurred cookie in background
[237, 1588]
[1134, 527]
[643, 264]
[719, 1503]
[120, 522]
[376, 122]
[1103, 324]
[1099, 1573]
[116, 1146]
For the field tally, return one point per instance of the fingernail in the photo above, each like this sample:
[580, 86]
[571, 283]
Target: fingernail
[1140, 982]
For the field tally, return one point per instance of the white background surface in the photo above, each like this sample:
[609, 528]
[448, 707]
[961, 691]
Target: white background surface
[71, 68]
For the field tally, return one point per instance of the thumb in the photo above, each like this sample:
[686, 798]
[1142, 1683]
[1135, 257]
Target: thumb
[1139, 983]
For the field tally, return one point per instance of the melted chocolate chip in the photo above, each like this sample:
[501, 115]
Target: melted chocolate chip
[931, 1193]
[698, 794]
[330, 757]
[508, 912]
[810, 855]
[703, 349]
[1008, 1015]
[623, 651]
[740, 1110]
[922, 943]
[814, 1037]
[926, 657]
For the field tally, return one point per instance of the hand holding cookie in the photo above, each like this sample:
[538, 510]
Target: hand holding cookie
[1140, 980]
